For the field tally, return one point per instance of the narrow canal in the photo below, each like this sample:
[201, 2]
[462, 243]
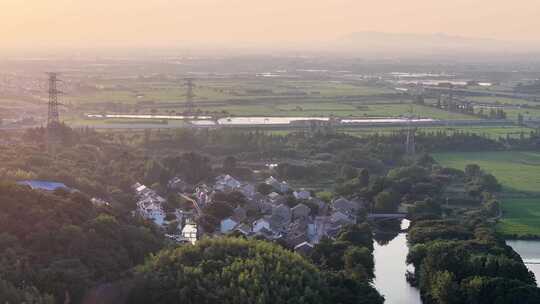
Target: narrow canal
[530, 253]
[390, 270]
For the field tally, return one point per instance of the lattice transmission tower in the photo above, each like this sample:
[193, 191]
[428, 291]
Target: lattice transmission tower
[53, 118]
[190, 106]
[410, 143]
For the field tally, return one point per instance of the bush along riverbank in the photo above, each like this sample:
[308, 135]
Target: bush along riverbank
[464, 261]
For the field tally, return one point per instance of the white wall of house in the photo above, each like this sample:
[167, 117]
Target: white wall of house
[260, 224]
[189, 232]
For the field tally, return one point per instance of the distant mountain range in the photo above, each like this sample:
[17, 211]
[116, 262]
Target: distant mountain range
[417, 44]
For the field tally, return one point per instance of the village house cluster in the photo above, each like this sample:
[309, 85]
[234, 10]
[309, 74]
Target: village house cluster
[294, 217]
[150, 206]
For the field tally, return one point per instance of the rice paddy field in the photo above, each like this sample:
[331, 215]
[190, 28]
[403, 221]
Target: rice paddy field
[260, 96]
[502, 101]
[337, 109]
[519, 173]
[493, 132]
[132, 91]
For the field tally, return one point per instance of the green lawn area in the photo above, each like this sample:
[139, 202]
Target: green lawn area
[519, 173]
[521, 217]
[516, 171]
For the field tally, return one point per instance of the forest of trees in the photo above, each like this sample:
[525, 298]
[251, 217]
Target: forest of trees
[229, 270]
[62, 245]
[457, 255]
[55, 247]
[463, 261]
[58, 246]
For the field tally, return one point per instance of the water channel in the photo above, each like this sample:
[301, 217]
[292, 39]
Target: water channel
[257, 120]
[530, 253]
[391, 267]
[390, 270]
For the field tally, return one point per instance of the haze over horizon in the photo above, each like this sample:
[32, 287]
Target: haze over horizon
[279, 24]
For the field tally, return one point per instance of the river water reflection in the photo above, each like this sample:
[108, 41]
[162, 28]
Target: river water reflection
[258, 120]
[390, 269]
[390, 266]
[530, 253]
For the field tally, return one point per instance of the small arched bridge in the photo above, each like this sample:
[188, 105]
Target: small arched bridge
[378, 221]
[386, 216]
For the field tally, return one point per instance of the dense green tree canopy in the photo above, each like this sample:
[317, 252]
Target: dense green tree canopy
[29, 295]
[464, 262]
[62, 244]
[239, 271]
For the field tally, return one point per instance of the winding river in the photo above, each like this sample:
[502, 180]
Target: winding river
[390, 269]
[530, 253]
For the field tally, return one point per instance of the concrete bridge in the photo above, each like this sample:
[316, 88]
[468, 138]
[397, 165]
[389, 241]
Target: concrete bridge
[386, 216]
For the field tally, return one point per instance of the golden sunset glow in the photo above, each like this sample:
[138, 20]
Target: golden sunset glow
[164, 23]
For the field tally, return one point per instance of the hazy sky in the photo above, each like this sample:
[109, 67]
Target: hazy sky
[163, 23]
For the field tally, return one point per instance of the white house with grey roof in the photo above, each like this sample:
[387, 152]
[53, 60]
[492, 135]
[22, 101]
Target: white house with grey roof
[150, 204]
[300, 211]
[283, 212]
[226, 183]
[190, 232]
[345, 206]
[248, 190]
[302, 194]
[340, 218]
[277, 185]
[260, 224]
[304, 248]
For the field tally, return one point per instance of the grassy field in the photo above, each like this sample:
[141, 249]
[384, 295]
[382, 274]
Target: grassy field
[488, 131]
[334, 108]
[512, 113]
[521, 217]
[325, 109]
[502, 100]
[493, 132]
[131, 91]
[519, 173]
[516, 171]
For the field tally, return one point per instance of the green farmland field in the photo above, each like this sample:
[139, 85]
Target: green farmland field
[521, 217]
[516, 171]
[338, 109]
[502, 100]
[492, 132]
[519, 173]
[131, 91]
